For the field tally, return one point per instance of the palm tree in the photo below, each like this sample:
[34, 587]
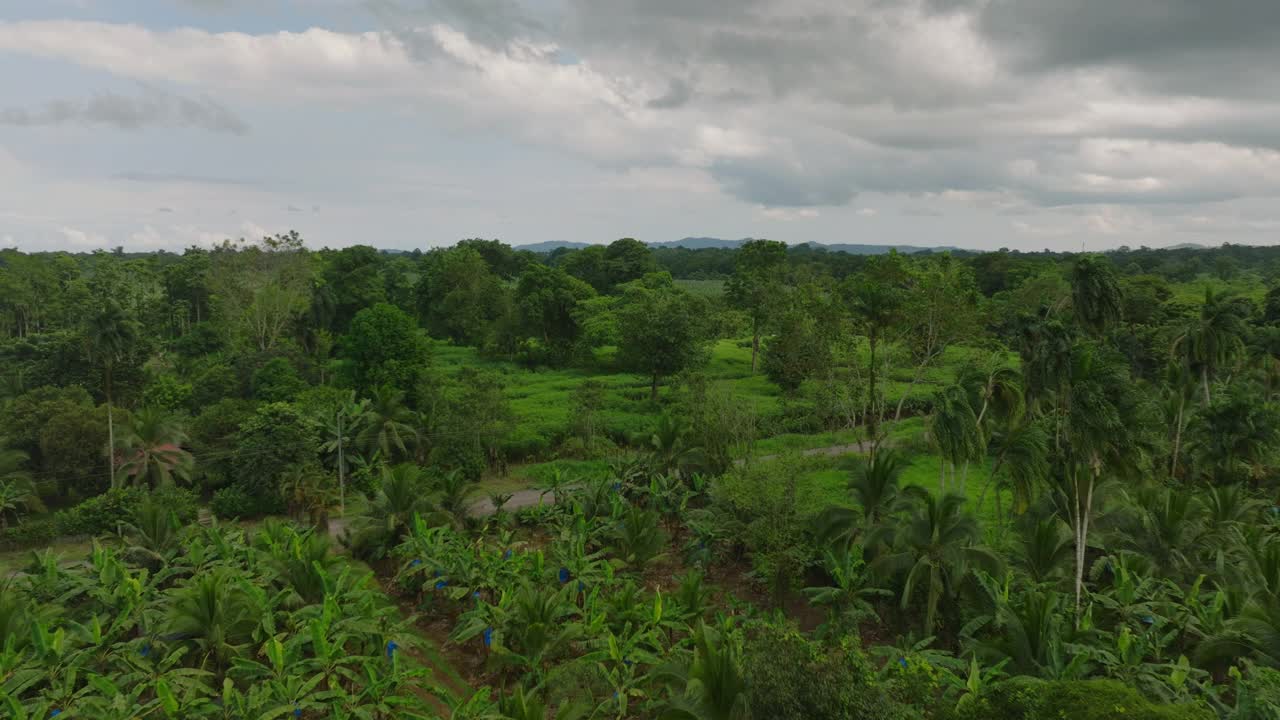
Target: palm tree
[214, 612]
[936, 549]
[1232, 436]
[1043, 550]
[873, 486]
[152, 450]
[387, 426]
[1096, 298]
[389, 517]
[1216, 337]
[1181, 386]
[110, 334]
[713, 686]
[17, 493]
[1107, 429]
[338, 429]
[670, 446]
[956, 432]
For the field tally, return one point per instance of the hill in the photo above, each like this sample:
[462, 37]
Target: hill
[700, 243]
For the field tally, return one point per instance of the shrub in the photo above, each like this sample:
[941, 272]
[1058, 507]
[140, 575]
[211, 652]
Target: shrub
[31, 532]
[102, 513]
[167, 392]
[1029, 699]
[232, 502]
[792, 678]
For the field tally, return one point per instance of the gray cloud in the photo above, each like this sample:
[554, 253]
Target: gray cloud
[144, 176]
[153, 108]
[678, 93]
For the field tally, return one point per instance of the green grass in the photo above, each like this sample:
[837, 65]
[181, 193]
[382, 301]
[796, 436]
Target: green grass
[12, 561]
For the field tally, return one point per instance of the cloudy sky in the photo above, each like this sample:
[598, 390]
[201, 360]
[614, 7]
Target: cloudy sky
[412, 123]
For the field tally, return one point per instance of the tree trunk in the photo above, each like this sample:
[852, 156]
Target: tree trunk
[755, 342]
[964, 477]
[897, 413]
[653, 389]
[1204, 379]
[872, 421]
[1177, 437]
[111, 434]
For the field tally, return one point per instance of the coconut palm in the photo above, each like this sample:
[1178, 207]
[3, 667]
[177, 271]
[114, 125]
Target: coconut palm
[110, 333]
[1096, 298]
[386, 427]
[151, 449]
[713, 685]
[955, 430]
[390, 515]
[1215, 338]
[215, 613]
[935, 549]
[1044, 550]
[873, 487]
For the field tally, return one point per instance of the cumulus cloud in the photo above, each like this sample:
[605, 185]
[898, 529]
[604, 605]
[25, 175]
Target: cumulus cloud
[153, 108]
[1012, 107]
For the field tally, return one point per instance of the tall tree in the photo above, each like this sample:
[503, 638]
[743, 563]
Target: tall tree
[756, 283]
[663, 331]
[942, 307]
[1096, 297]
[877, 301]
[385, 347]
[1108, 427]
[110, 334]
[935, 549]
[546, 300]
[1216, 337]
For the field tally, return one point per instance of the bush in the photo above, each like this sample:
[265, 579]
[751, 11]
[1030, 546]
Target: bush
[31, 532]
[102, 513]
[233, 502]
[98, 515]
[792, 678]
[1030, 699]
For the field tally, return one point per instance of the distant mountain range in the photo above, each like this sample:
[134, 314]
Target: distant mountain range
[699, 243]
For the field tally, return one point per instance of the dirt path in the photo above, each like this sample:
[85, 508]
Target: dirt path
[530, 497]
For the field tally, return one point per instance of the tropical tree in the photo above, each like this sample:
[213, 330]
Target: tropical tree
[873, 486]
[877, 302]
[1096, 297]
[1108, 429]
[1215, 338]
[386, 426]
[110, 333]
[17, 493]
[756, 284]
[955, 430]
[934, 551]
[151, 449]
[712, 686]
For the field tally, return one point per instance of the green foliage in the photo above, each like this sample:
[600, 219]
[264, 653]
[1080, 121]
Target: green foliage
[793, 678]
[1026, 699]
[385, 347]
[277, 381]
[663, 330]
